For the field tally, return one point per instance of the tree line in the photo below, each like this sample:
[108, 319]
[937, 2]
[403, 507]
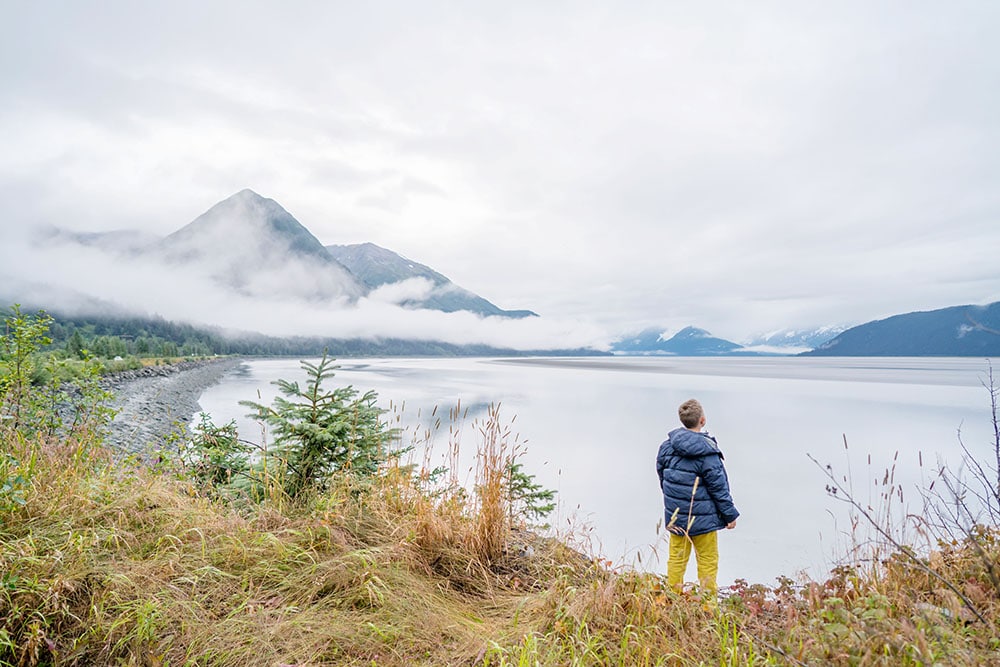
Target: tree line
[110, 336]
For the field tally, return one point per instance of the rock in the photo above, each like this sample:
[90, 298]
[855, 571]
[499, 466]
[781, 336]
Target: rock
[154, 402]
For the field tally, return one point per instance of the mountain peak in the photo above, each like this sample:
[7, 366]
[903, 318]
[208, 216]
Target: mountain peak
[689, 341]
[248, 200]
[796, 340]
[247, 212]
[691, 332]
[249, 197]
[247, 238]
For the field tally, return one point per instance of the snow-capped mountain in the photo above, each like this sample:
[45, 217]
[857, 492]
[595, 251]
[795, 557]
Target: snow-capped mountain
[688, 342]
[795, 340]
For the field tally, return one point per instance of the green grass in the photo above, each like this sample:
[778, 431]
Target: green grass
[104, 564]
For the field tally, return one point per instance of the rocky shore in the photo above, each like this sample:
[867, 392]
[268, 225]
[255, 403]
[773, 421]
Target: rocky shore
[154, 402]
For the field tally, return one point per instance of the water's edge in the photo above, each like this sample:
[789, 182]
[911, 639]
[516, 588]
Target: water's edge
[155, 402]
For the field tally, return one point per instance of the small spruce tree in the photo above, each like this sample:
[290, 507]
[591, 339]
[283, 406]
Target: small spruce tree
[319, 432]
[75, 346]
[529, 499]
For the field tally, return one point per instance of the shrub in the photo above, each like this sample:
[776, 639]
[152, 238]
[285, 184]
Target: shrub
[216, 456]
[317, 433]
[22, 337]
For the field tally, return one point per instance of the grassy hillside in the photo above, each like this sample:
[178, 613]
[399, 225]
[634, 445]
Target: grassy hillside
[103, 562]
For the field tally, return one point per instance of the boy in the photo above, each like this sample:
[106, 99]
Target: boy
[696, 497]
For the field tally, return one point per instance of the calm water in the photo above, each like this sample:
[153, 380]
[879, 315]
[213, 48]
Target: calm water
[591, 429]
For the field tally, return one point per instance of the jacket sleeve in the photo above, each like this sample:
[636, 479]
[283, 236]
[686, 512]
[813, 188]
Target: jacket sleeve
[717, 484]
[661, 462]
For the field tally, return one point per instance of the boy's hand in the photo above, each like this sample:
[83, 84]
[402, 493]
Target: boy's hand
[731, 525]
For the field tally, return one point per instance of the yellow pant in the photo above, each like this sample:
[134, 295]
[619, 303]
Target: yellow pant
[706, 549]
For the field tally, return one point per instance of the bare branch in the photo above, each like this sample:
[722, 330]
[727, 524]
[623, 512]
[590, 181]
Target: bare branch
[849, 498]
[994, 393]
[979, 471]
[991, 568]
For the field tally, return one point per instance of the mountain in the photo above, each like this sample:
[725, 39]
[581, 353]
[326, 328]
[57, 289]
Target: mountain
[375, 266]
[688, 342]
[250, 244]
[957, 331]
[794, 341]
[254, 246]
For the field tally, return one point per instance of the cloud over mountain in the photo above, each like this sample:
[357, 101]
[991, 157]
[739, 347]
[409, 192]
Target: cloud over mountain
[379, 268]
[732, 166]
[253, 246]
[248, 264]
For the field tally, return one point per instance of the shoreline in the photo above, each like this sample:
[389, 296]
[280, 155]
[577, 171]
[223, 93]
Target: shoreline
[155, 402]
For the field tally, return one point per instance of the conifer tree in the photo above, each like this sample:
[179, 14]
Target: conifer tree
[319, 432]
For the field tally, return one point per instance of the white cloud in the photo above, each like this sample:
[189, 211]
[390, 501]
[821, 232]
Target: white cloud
[776, 349]
[412, 289]
[192, 295]
[734, 168]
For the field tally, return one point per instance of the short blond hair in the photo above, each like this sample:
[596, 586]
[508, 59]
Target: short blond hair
[690, 413]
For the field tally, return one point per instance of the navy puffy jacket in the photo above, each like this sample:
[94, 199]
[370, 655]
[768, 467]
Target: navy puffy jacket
[684, 456]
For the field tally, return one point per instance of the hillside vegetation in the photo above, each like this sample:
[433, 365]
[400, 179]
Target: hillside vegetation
[958, 331]
[339, 547]
[128, 336]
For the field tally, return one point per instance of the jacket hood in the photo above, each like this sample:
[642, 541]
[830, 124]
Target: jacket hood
[691, 444]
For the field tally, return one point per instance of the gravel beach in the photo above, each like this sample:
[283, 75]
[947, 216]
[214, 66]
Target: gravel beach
[155, 401]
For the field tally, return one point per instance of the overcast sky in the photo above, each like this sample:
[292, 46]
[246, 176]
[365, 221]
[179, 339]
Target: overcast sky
[736, 166]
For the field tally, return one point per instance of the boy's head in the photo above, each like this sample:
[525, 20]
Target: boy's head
[691, 414]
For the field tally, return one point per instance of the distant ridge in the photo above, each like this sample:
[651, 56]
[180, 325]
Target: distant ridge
[688, 342]
[795, 340]
[958, 331]
[251, 245]
[375, 266]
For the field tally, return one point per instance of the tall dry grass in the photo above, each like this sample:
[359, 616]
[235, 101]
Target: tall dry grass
[107, 564]
[494, 458]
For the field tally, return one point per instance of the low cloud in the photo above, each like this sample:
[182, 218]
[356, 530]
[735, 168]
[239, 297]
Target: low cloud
[412, 289]
[80, 280]
[775, 349]
[732, 169]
